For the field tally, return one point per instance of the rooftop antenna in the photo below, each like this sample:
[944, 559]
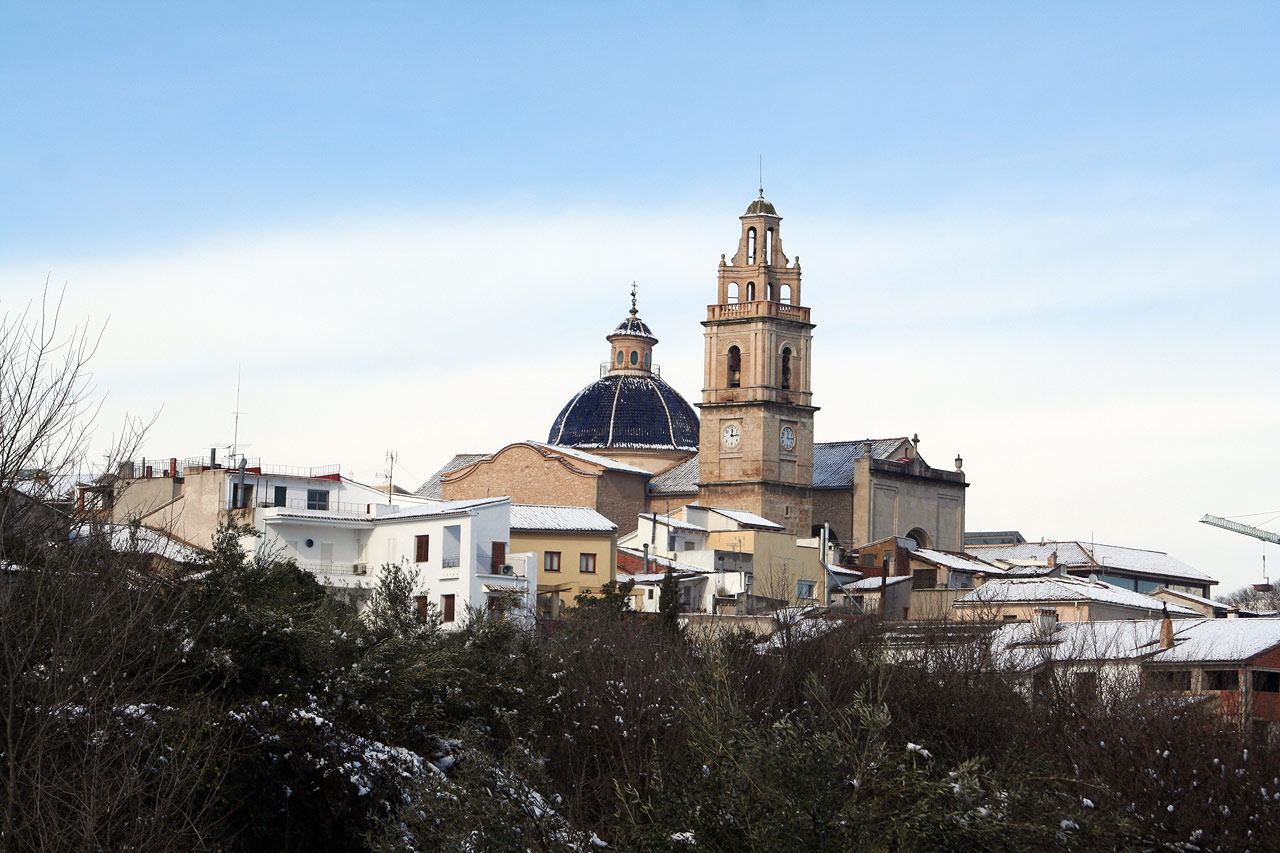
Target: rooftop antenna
[235, 433]
[391, 470]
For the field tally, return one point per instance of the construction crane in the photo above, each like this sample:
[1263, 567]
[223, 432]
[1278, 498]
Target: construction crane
[1243, 529]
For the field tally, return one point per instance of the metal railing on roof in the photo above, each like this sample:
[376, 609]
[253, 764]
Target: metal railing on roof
[605, 367]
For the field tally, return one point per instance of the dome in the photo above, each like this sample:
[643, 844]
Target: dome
[761, 205]
[625, 410]
[633, 325]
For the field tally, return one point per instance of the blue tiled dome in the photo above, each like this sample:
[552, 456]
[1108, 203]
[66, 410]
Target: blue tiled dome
[627, 411]
[633, 325]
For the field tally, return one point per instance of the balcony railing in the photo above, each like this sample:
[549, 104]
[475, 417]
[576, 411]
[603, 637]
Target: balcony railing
[340, 507]
[335, 569]
[758, 308]
[450, 562]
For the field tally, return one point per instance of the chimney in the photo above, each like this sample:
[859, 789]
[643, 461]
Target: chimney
[173, 466]
[1166, 630]
[1053, 558]
[1043, 621]
[213, 457]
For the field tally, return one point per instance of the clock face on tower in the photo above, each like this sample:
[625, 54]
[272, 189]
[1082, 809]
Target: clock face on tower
[788, 438]
[731, 435]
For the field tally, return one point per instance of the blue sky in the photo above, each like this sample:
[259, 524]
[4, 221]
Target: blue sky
[1044, 228]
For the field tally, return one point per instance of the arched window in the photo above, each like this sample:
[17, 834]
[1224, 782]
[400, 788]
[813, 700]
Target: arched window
[635, 357]
[751, 291]
[786, 367]
[771, 292]
[768, 246]
[784, 294]
[619, 356]
[751, 245]
[733, 291]
[735, 367]
[922, 538]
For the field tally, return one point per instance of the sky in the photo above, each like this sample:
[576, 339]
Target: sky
[1039, 236]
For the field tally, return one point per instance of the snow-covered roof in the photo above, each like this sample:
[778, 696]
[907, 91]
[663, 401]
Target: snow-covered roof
[833, 461]
[602, 461]
[1198, 599]
[433, 488]
[679, 479]
[742, 517]
[1019, 646]
[957, 562]
[872, 584]
[1080, 555]
[1220, 640]
[1056, 589]
[1201, 641]
[144, 540]
[573, 519]
[673, 522]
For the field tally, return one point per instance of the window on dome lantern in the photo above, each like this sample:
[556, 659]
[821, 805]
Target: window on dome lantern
[735, 367]
[786, 367]
[619, 356]
[635, 357]
[647, 357]
[751, 245]
[768, 246]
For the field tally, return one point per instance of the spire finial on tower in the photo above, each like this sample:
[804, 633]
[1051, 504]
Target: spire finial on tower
[761, 176]
[633, 299]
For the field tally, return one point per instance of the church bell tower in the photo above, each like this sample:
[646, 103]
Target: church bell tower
[756, 438]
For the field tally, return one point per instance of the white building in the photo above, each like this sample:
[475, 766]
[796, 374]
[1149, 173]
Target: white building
[458, 550]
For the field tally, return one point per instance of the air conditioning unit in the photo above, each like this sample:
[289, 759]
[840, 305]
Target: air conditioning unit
[508, 570]
[360, 569]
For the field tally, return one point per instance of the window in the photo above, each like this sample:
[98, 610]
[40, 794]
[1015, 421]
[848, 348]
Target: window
[619, 356]
[651, 595]
[735, 367]
[446, 608]
[635, 357]
[587, 563]
[282, 495]
[751, 291]
[1085, 685]
[1266, 682]
[733, 292]
[1167, 679]
[1221, 679]
[751, 245]
[551, 561]
[238, 500]
[647, 360]
[317, 499]
[804, 589]
[451, 555]
[498, 557]
[924, 578]
[768, 246]
[421, 548]
[786, 367]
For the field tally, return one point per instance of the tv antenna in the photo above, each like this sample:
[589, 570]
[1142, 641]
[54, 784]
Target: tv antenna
[391, 469]
[235, 433]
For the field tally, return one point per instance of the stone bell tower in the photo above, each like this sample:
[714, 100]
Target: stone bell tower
[756, 439]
